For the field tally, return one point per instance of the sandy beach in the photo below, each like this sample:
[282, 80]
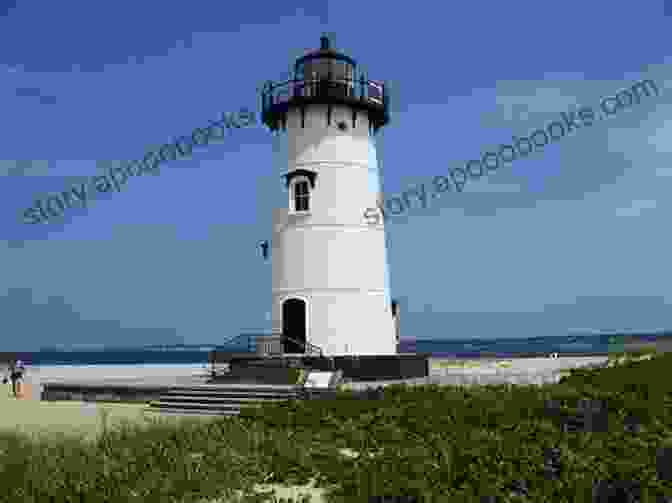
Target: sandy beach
[196, 373]
[448, 371]
[63, 418]
[522, 371]
[117, 373]
[31, 415]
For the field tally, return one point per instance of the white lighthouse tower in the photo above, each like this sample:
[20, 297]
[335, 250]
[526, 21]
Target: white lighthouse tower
[330, 275]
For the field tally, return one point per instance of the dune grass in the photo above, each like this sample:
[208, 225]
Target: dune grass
[55, 430]
[446, 443]
[78, 420]
[633, 354]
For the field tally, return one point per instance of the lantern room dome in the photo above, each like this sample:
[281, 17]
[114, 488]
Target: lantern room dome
[323, 57]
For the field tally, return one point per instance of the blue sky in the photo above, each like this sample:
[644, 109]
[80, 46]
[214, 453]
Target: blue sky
[573, 237]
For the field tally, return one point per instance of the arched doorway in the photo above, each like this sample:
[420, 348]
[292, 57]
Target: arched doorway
[294, 324]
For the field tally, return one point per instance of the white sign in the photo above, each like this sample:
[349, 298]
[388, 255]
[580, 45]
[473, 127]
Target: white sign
[318, 380]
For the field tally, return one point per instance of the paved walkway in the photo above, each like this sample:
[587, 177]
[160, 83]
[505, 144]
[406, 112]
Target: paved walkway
[538, 371]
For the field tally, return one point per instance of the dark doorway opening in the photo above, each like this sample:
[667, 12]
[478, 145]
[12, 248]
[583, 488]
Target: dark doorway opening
[294, 325]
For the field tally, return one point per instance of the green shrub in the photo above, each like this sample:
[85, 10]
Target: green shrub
[443, 443]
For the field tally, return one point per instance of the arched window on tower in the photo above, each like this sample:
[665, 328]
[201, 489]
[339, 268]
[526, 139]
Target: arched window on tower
[300, 194]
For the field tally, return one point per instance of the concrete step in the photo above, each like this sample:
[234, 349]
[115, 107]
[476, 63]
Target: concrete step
[241, 387]
[220, 399]
[230, 409]
[226, 398]
[186, 402]
[185, 412]
[198, 406]
[253, 376]
[231, 393]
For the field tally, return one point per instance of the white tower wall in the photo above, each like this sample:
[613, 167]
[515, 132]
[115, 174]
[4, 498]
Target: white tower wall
[332, 258]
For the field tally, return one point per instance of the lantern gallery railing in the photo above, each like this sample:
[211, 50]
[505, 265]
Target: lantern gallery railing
[367, 91]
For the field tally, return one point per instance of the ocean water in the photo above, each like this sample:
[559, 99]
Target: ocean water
[507, 347]
[190, 355]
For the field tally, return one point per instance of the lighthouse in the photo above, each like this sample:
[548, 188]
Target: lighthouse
[330, 274]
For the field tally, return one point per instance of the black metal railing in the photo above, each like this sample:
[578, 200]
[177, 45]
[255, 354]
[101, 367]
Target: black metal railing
[306, 345]
[369, 91]
[252, 340]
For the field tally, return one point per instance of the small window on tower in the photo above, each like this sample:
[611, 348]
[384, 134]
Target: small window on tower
[301, 196]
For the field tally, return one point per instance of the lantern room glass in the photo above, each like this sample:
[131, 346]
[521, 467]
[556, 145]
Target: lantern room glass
[326, 77]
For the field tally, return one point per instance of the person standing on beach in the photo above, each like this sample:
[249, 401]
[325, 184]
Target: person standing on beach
[6, 378]
[16, 371]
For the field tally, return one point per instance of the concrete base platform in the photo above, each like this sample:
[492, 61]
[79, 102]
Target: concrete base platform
[144, 384]
[374, 367]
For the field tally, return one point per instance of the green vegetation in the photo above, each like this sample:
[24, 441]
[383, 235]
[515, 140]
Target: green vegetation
[547, 443]
[296, 375]
[638, 353]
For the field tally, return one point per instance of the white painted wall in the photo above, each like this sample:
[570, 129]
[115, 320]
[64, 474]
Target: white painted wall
[332, 257]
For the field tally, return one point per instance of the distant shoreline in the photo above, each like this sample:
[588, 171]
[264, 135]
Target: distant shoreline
[625, 347]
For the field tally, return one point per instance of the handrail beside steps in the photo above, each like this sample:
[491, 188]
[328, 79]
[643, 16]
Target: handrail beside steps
[313, 349]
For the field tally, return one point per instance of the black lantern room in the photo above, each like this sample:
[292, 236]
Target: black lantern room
[330, 78]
